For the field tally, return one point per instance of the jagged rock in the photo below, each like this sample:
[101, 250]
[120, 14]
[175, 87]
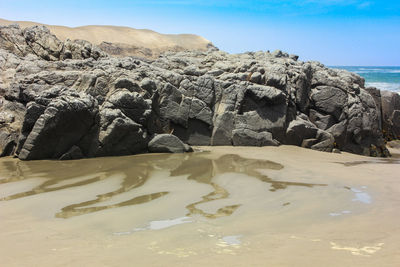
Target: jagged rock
[390, 103]
[168, 143]
[323, 122]
[7, 143]
[74, 153]
[119, 135]
[38, 40]
[11, 116]
[301, 83]
[246, 137]
[294, 57]
[43, 43]
[300, 130]
[223, 127]
[70, 99]
[12, 39]
[395, 119]
[63, 123]
[376, 94]
[325, 141]
[329, 100]
[256, 77]
[133, 105]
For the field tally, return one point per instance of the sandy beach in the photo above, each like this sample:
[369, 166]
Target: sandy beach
[199, 133]
[225, 206]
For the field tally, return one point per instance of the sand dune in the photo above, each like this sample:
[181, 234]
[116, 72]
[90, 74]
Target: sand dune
[129, 39]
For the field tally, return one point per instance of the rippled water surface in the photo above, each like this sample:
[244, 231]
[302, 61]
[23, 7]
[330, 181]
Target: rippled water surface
[225, 207]
[134, 172]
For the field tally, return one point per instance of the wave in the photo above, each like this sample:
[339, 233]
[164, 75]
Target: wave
[394, 87]
[376, 71]
[384, 70]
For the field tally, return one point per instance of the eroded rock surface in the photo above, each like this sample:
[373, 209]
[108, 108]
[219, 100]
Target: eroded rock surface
[67, 100]
[168, 143]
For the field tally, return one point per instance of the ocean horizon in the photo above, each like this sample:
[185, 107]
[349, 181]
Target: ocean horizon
[381, 77]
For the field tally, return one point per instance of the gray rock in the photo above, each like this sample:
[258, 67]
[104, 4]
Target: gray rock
[63, 124]
[325, 142]
[223, 127]
[376, 94]
[390, 103]
[323, 122]
[43, 43]
[395, 119]
[294, 57]
[330, 100]
[256, 77]
[299, 130]
[246, 137]
[119, 135]
[74, 153]
[168, 143]
[68, 99]
[277, 53]
[302, 94]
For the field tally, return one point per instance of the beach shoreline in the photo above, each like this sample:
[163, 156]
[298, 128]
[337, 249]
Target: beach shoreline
[331, 204]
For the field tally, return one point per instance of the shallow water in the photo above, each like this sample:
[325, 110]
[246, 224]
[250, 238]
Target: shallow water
[222, 207]
[134, 172]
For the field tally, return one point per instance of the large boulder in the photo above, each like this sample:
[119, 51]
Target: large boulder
[168, 143]
[11, 117]
[246, 137]
[390, 114]
[301, 132]
[329, 100]
[64, 122]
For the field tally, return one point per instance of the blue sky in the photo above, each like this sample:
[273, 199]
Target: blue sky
[335, 32]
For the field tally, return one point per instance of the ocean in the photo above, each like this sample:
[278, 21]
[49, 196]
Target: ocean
[384, 78]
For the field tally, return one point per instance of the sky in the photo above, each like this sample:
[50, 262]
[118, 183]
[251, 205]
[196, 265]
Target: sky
[334, 32]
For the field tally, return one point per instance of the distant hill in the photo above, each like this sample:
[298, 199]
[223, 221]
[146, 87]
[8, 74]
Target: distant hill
[125, 41]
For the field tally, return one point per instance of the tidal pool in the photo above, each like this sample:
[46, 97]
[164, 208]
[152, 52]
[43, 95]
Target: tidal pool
[223, 207]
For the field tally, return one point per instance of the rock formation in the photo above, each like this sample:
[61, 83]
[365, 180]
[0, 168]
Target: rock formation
[68, 100]
[124, 41]
[168, 143]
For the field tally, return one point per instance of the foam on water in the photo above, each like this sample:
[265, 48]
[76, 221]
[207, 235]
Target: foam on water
[361, 196]
[384, 86]
[384, 78]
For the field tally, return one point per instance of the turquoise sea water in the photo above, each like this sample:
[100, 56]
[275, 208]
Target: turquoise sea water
[385, 78]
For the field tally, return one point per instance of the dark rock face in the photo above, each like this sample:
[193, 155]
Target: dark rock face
[388, 104]
[68, 100]
[390, 114]
[51, 130]
[168, 143]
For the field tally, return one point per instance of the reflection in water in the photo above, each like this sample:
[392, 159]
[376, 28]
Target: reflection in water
[218, 193]
[73, 210]
[366, 251]
[135, 171]
[393, 160]
[232, 240]
[158, 225]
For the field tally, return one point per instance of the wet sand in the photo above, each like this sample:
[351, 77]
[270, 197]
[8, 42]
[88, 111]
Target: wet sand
[228, 206]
